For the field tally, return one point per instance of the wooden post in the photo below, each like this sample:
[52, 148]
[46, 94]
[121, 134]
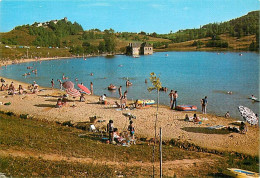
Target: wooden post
[161, 153]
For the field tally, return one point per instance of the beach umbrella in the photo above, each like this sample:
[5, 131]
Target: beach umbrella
[73, 92]
[248, 115]
[68, 84]
[83, 88]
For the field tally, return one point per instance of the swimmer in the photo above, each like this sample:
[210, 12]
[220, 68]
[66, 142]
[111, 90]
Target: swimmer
[253, 97]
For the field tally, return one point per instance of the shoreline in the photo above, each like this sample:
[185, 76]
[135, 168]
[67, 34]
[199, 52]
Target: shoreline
[42, 107]
[18, 61]
[10, 62]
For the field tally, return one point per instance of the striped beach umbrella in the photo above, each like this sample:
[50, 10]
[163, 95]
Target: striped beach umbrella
[248, 115]
[73, 92]
[83, 88]
[68, 84]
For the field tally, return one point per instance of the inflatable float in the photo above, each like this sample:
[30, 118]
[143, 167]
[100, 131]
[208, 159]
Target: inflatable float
[234, 172]
[111, 87]
[145, 102]
[186, 108]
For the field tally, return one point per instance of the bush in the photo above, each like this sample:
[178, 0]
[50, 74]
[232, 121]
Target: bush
[217, 43]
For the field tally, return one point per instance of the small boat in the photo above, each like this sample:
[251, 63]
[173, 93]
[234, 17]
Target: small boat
[186, 108]
[136, 56]
[234, 172]
[111, 87]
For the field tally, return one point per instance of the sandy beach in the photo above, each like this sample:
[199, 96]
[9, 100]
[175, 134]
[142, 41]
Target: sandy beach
[42, 106]
[9, 62]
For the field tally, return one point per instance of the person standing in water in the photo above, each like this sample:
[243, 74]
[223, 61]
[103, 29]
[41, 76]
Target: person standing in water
[204, 103]
[120, 91]
[60, 82]
[175, 96]
[52, 83]
[171, 98]
[91, 88]
[125, 96]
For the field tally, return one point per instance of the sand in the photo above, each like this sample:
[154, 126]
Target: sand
[8, 62]
[42, 106]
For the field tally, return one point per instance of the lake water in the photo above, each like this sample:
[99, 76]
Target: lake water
[193, 74]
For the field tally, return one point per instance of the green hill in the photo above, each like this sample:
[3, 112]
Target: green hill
[237, 34]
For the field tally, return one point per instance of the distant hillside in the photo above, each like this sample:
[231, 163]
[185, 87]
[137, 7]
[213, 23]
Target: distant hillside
[238, 34]
[42, 34]
[239, 27]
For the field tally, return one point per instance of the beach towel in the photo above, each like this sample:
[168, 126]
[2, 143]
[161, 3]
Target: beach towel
[217, 127]
[204, 119]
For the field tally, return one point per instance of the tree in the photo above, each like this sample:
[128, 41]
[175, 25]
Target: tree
[142, 33]
[110, 40]
[156, 86]
[101, 47]
[154, 34]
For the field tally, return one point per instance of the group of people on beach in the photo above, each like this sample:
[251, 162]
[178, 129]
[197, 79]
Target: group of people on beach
[196, 119]
[12, 90]
[173, 99]
[122, 138]
[62, 101]
[123, 98]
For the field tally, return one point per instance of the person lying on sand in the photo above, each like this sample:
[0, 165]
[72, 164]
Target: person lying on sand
[82, 98]
[64, 100]
[20, 90]
[35, 89]
[59, 103]
[117, 104]
[2, 88]
[243, 128]
[186, 117]
[6, 87]
[11, 92]
[102, 98]
[11, 86]
[196, 119]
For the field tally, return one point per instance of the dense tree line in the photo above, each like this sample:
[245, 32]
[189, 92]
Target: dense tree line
[49, 34]
[54, 33]
[107, 45]
[239, 27]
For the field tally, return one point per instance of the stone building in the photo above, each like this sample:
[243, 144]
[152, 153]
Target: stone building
[139, 49]
[146, 49]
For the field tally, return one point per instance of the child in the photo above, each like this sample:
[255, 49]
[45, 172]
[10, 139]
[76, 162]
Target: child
[131, 129]
[59, 103]
[82, 98]
[110, 130]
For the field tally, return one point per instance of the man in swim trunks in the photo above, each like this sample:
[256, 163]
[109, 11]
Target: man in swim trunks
[204, 103]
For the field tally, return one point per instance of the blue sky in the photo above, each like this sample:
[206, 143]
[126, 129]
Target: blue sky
[160, 16]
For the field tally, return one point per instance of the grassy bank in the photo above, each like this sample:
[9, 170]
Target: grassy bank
[29, 147]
